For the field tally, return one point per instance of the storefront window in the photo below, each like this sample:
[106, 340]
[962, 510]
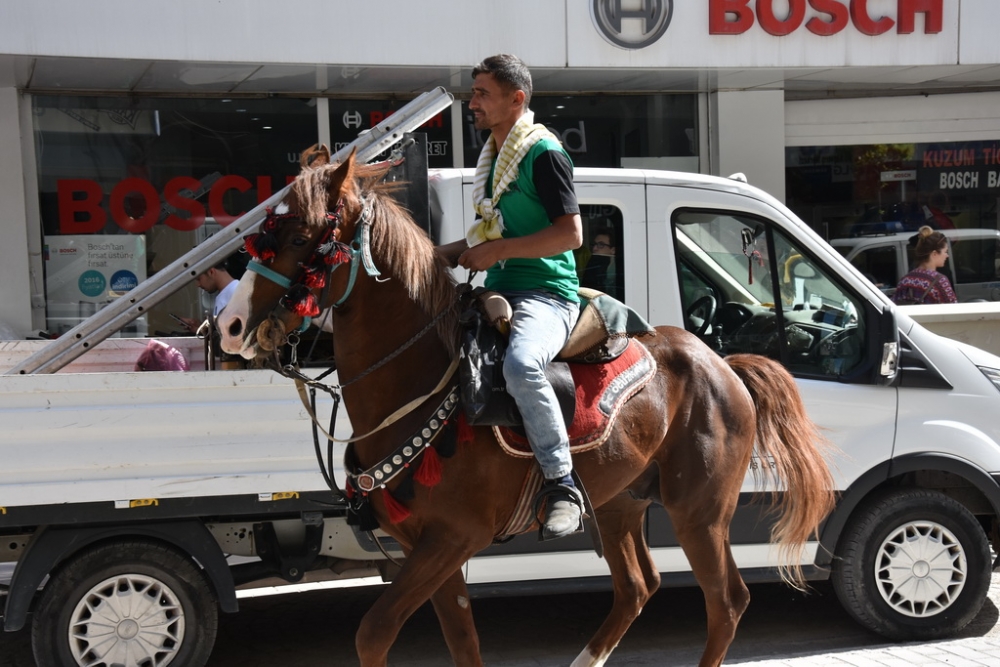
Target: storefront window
[649, 131]
[844, 191]
[128, 185]
[348, 118]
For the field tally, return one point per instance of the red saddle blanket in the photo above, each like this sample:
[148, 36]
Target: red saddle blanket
[601, 391]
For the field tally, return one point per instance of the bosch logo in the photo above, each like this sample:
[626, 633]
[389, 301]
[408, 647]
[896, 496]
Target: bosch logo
[634, 28]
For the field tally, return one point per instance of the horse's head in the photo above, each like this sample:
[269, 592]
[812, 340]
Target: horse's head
[300, 244]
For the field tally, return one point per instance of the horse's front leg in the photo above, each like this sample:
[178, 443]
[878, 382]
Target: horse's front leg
[432, 568]
[454, 612]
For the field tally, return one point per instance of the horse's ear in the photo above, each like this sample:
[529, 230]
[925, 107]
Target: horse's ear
[343, 173]
[316, 155]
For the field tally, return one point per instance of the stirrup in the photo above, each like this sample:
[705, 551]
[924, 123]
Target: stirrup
[544, 496]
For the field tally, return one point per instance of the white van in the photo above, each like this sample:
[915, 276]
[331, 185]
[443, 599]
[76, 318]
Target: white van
[973, 264]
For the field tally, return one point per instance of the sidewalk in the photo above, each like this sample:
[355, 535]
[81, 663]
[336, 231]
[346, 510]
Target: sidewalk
[973, 652]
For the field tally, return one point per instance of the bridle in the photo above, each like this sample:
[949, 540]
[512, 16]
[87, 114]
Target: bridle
[328, 256]
[317, 270]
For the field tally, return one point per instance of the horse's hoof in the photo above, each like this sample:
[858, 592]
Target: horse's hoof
[563, 513]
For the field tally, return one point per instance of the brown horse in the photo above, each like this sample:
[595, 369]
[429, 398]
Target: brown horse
[684, 441]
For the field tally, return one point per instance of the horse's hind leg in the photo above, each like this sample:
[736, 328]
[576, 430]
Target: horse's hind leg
[633, 574]
[726, 596]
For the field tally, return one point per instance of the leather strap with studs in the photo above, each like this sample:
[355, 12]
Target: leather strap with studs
[382, 472]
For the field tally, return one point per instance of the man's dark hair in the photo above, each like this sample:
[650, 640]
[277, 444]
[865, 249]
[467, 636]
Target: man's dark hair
[509, 71]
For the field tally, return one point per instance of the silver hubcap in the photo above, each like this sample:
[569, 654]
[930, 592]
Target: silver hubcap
[127, 621]
[921, 569]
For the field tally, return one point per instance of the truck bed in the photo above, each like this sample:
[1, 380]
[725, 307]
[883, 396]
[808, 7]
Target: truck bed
[118, 437]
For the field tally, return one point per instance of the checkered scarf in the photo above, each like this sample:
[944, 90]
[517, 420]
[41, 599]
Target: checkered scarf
[525, 134]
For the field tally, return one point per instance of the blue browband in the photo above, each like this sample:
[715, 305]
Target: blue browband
[270, 274]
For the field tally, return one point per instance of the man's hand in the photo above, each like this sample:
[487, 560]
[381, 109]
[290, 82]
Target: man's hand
[483, 255]
[188, 323]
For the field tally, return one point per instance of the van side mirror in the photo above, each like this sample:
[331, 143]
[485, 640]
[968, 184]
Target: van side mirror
[888, 368]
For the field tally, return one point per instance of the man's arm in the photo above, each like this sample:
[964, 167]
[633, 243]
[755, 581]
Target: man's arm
[565, 233]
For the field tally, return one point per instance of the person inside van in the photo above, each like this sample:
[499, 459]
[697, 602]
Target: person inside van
[925, 284]
[600, 273]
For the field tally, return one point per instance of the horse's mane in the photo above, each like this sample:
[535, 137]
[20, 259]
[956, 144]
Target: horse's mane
[398, 245]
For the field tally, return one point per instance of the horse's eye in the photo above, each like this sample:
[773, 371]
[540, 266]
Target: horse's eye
[299, 241]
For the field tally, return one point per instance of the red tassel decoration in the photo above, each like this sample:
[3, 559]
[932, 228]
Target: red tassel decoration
[338, 256]
[301, 301]
[429, 472]
[397, 511]
[261, 247]
[314, 278]
[465, 432]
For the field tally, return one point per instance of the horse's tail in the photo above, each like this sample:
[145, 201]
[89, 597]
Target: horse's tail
[790, 450]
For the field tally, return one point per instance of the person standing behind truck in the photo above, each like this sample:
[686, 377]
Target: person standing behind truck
[925, 284]
[218, 281]
[529, 225]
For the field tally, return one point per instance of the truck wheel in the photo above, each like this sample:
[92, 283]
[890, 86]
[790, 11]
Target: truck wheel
[128, 604]
[913, 564]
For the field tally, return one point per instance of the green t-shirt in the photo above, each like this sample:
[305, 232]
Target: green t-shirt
[524, 214]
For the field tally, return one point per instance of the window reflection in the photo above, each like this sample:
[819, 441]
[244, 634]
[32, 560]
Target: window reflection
[745, 287]
[128, 185]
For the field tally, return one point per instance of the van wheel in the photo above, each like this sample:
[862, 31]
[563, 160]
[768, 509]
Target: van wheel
[913, 564]
[129, 604]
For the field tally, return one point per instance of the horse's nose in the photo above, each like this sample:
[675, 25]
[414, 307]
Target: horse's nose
[234, 327]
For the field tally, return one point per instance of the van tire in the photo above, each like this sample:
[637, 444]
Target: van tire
[897, 528]
[132, 585]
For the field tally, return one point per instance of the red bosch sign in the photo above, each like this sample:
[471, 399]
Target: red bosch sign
[135, 205]
[829, 17]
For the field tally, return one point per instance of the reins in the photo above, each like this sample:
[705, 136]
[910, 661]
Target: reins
[303, 381]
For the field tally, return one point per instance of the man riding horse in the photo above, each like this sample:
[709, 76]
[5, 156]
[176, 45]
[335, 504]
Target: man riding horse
[529, 224]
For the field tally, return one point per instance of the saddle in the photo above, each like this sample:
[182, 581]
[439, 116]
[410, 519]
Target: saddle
[588, 366]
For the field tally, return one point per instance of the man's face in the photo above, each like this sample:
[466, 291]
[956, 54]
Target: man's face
[206, 281]
[492, 104]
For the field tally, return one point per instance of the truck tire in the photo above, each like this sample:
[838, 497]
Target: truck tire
[913, 564]
[127, 603]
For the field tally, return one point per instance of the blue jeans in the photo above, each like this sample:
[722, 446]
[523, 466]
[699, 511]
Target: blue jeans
[539, 329]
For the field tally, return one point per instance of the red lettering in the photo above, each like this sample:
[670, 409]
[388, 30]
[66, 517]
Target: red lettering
[718, 20]
[735, 17]
[175, 198]
[838, 13]
[931, 9]
[216, 196]
[89, 205]
[864, 22]
[150, 200]
[779, 28]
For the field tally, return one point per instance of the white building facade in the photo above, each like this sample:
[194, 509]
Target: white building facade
[130, 130]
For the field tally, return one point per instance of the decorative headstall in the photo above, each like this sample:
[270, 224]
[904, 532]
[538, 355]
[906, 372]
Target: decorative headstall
[328, 255]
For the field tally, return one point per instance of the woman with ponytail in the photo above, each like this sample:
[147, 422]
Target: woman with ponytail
[924, 284]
